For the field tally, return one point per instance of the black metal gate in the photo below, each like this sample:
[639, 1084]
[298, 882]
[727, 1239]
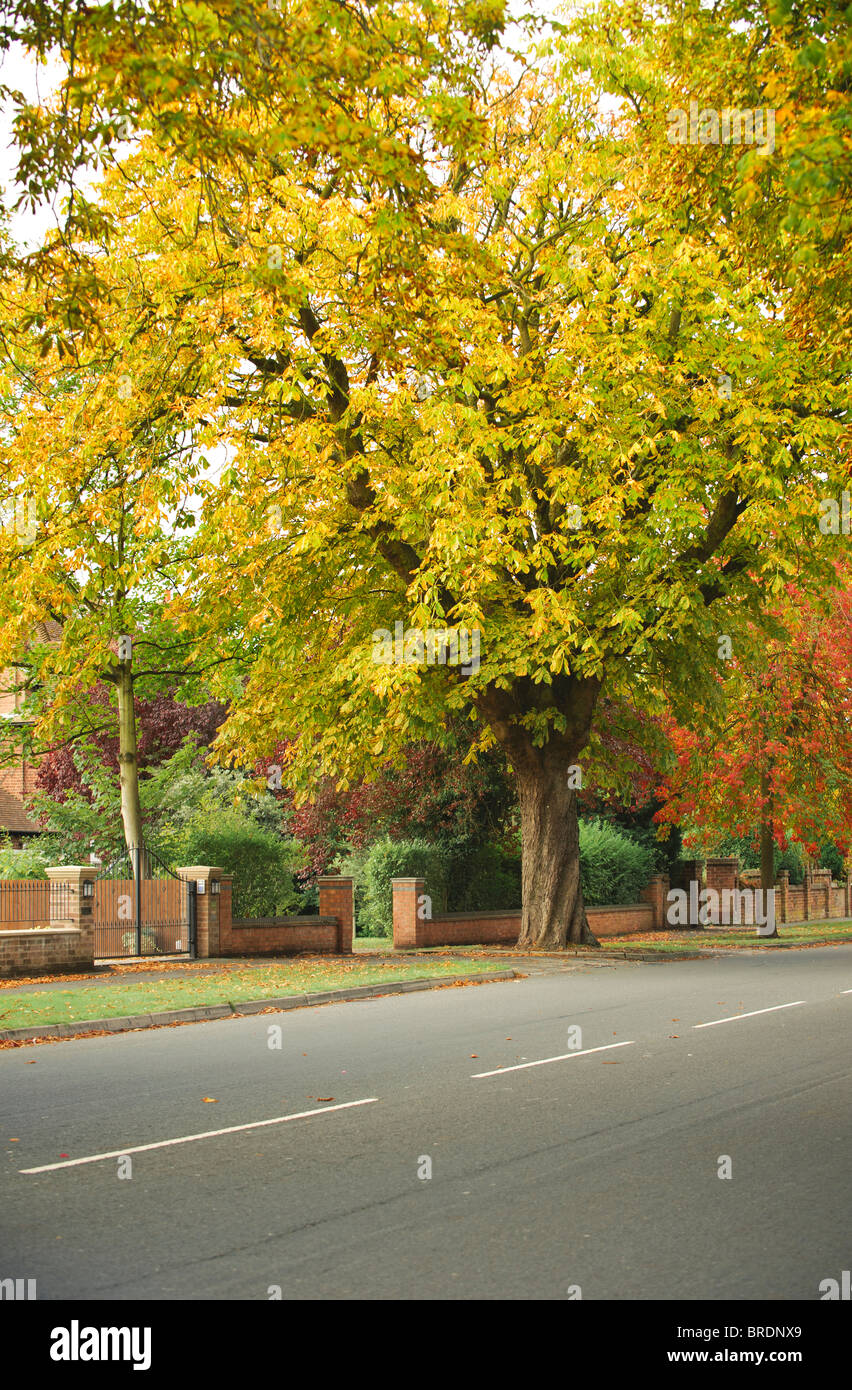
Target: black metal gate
[142, 908]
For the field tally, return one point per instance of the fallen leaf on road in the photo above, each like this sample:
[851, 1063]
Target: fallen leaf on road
[209, 1100]
[474, 1054]
[63, 1155]
[674, 1035]
[14, 1141]
[610, 1064]
[325, 1097]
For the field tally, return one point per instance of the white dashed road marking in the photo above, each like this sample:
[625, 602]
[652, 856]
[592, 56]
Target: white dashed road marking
[753, 1014]
[190, 1138]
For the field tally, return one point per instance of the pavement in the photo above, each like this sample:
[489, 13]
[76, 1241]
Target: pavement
[451, 1144]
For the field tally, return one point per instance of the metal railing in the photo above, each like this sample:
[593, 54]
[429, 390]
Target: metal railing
[34, 902]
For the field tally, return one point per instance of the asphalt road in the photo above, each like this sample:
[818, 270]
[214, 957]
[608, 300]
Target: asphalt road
[598, 1172]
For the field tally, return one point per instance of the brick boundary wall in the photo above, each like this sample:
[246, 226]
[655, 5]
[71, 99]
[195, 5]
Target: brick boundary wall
[68, 943]
[818, 899]
[815, 900]
[218, 933]
[411, 928]
[43, 951]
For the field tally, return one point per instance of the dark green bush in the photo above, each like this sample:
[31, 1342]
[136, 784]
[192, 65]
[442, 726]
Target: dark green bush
[481, 877]
[259, 859]
[613, 867]
[831, 858]
[388, 859]
[792, 859]
[747, 851]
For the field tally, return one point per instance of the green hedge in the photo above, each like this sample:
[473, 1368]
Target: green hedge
[260, 860]
[481, 878]
[614, 868]
[388, 859]
[463, 876]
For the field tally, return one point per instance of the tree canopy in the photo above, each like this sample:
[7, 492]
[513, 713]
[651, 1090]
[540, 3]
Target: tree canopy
[486, 356]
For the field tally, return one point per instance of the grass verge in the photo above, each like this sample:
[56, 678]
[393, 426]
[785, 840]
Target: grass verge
[744, 939]
[306, 975]
[677, 943]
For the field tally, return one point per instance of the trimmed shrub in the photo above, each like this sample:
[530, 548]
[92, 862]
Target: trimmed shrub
[792, 859]
[260, 860]
[614, 868]
[148, 941]
[388, 859]
[481, 877]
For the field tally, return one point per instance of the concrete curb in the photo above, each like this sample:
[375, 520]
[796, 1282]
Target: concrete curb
[131, 1023]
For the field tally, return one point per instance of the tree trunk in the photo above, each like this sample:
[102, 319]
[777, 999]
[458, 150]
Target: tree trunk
[767, 847]
[128, 767]
[553, 909]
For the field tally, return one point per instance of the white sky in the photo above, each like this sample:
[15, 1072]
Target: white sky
[37, 82]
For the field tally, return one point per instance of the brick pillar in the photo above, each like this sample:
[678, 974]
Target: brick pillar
[822, 883]
[722, 873]
[781, 897]
[407, 926]
[71, 899]
[806, 897]
[337, 899]
[687, 871]
[656, 894]
[207, 909]
[847, 892]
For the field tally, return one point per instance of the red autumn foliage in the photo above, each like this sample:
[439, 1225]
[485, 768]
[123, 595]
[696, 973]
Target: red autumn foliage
[163, 724]
[784, 753]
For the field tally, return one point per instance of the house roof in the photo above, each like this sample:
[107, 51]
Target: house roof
[13, 816]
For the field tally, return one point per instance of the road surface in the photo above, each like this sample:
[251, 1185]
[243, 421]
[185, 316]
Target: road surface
[575, 1124]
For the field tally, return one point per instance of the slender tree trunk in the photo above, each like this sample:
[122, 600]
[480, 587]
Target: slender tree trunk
[767, 845]
[128, 767]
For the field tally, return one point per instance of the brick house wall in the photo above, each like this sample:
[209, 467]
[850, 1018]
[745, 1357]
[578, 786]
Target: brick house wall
[18, 778]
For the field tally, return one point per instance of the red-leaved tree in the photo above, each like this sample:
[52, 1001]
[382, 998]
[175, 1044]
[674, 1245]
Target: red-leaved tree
[776, 763]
